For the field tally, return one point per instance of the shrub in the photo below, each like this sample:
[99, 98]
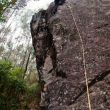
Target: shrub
[12, 87]
[15, 92]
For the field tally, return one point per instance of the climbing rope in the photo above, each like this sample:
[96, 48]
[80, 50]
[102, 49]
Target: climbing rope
[83, 56]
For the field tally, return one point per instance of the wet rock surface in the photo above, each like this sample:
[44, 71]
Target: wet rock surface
[93, 21]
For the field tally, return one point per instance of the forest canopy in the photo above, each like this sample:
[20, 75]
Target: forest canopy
[19, 88]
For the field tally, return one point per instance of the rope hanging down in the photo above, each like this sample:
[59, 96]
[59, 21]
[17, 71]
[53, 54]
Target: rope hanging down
[83, 56]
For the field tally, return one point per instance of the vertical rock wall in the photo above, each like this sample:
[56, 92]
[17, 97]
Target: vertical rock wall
[59, 54]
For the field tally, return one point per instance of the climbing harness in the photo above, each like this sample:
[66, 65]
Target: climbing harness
[83, 56]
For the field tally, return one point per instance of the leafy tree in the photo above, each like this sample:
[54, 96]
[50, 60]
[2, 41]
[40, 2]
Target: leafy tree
[4, 4]
[15, 92]
[12, 87]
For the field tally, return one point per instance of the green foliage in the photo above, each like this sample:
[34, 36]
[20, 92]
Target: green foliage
[11, 87]
[33, 90]
[17, 73]
[15, 92]
[4, 5]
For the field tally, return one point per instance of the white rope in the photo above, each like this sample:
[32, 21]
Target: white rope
[84, 60]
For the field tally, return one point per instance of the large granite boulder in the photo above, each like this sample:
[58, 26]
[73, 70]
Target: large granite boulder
[80, 36]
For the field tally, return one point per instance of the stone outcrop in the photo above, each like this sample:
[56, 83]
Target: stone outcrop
[70, 39]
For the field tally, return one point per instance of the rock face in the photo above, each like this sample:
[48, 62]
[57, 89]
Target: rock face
[71, 39]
